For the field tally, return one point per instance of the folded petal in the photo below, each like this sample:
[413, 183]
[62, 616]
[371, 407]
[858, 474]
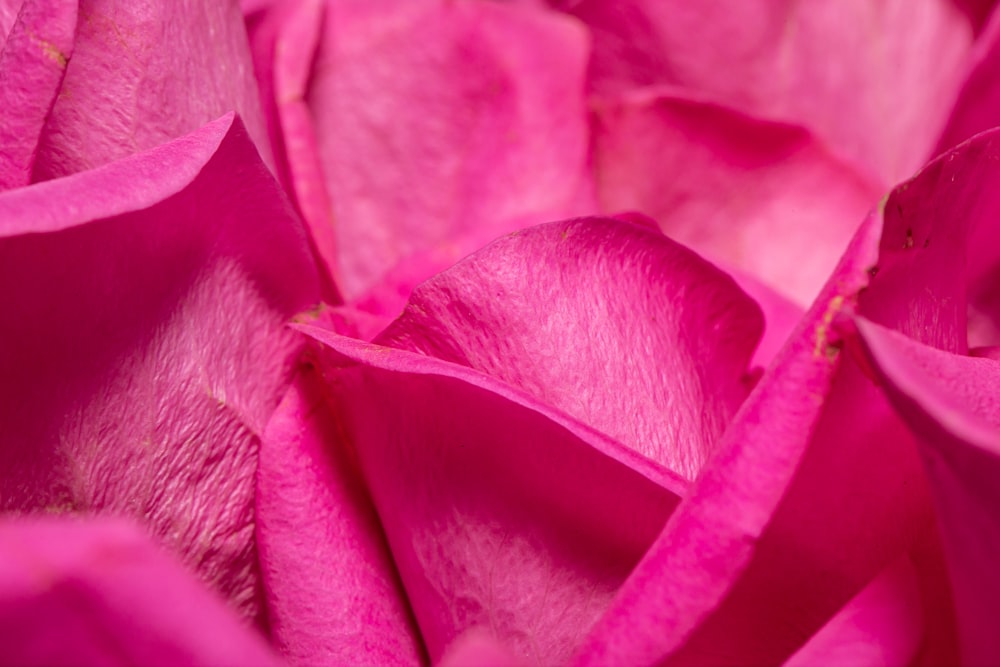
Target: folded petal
[500, 511]
[872, 79]
[143, 343]
[816, 486]
[333, 593]
[951, 404]
[766, 198]
[427, 121]
[100, 593]
[142, 73]
[32, 65]
[607, 320]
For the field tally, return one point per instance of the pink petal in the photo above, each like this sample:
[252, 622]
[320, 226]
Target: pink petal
[950, 402]
[881, 625]
[873, 79]
[500, 511]
[763, 197]
[100, 593]
[334, 596]
[816, 486]
[478, 648]
[142, 73]
[433, 120]
[32, 64]
[608, 321]
[144, 346]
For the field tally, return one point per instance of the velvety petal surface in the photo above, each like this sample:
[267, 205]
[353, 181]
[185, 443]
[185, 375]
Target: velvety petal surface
[32, 64]
[501, 512]
[101, 593]
[143, 344]
[144, 72]
[817, 486]
[950, 402]
[433, 120]
[874, 79]
[333, 593]
[607, 320]
[766, 198]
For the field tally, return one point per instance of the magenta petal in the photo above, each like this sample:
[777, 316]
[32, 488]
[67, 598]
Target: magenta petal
[144, 72]
[143, 344]
[881, 625]
[100, 593]
[500, 511]
[478, 648]
[32, 64]
[763, 197]
[609, 321]
[880, 106]
[333, 593]
[437, 119]
[951, 404]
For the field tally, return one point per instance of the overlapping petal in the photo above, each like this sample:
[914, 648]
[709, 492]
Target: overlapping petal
[414, 123]
[75, 592]
[33, 61]
[950, 403]
[142, 73]
[880, 104]
[815, 474]
[763, 197]
[143, 344]
[333, 593]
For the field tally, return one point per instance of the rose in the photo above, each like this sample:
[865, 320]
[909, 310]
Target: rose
[227, 268]
[788, 163]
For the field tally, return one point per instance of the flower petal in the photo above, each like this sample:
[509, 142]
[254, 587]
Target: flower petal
[142, 73]
[881, 625]
[437, 119]
[500, 511]
[143, 344]
[816, 486]
[951, 404]
[333, 593]
[896, 60]
[32, 64]
[100, 593]
[763, 197]
[609, 321]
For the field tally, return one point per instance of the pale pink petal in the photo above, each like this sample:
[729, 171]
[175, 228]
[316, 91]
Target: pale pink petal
[32, 64]
[762, 197]
[437, 119]
[100, 593]
[478, 648]
[8, 14]
[333, 593]
[874, 79]
[609, 321]
[143, 344]
[817, 486]
[780, 315]
[951, 404]
[500, 511]
[144, 72]
[881, 625]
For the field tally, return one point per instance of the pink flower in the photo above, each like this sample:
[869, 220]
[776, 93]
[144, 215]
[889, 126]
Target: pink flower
[729, 416]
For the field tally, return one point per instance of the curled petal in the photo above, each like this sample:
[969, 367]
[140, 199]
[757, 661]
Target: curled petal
[500, 511]
[950, 403]
[143, 344]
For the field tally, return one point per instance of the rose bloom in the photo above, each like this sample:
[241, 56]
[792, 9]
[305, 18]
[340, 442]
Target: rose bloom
[463, 332]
